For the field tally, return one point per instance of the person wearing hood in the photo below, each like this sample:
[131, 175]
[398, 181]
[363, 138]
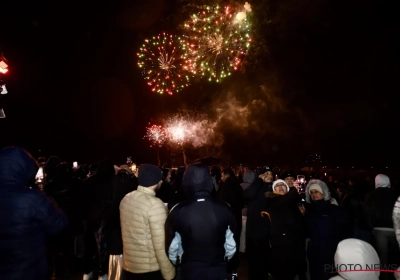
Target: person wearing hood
[257, 226]
[96, 198]
[287, 235]
[27, 218]
[327, 225]
[353, 255]
[199, 230]
[378, 207]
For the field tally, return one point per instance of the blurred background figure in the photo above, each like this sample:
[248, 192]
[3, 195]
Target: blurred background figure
[27, 218]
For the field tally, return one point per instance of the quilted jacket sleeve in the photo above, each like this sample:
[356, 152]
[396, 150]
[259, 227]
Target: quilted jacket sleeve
[396, 219]
[157, 218]
[49, 215]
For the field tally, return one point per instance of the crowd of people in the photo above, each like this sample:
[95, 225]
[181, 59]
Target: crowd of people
[194, 222]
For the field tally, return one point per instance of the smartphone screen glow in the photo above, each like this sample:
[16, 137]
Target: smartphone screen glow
[39, 175]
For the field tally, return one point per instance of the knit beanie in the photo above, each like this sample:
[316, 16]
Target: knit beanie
[315, 187]
[149, 175]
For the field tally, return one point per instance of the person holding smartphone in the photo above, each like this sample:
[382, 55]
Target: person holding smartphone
[257, 226]
[287, 233]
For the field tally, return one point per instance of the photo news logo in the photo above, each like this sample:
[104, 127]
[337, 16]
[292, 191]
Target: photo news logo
[360, 268]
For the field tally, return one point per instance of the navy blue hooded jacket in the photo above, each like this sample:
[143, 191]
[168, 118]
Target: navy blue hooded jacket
[201, 220]
[27, 217]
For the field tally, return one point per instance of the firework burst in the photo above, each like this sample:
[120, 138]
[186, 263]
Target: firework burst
[216, 40]
[178, 130]
[156, 135]
[193, 128]
[162, 60]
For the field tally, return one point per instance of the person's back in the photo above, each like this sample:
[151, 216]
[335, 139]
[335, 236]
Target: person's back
[202, 222]
[379, 204]
[142, 225]
[200, 229]
[378, 208]
[27, 217]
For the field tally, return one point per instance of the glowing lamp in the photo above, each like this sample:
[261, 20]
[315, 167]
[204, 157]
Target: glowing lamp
[3, 65]
[2, 114]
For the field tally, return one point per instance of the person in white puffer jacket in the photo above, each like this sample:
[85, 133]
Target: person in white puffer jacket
[396, 226]
[352, 255]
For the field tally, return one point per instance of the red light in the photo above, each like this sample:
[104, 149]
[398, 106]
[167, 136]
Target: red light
[3, 66]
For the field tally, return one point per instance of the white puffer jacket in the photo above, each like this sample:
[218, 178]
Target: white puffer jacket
[142, 223]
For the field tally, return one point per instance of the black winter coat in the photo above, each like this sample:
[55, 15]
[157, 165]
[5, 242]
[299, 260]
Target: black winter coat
[232, 193]
[287, 235]
[353, 204]
[97, 193]
[201, 221]
[327, 225]
[123, 184]
[27, 218]
[257, 226]
[378, 207]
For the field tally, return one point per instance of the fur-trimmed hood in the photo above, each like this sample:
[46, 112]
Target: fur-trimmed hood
[324, 187]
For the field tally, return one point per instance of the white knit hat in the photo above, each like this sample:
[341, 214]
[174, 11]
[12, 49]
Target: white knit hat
[315, 187]
[279, 181]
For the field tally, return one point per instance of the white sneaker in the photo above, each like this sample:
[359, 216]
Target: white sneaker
[104, 277]
[88, 276]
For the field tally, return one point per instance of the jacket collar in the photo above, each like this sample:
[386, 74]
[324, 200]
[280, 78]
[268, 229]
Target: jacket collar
[146, 190]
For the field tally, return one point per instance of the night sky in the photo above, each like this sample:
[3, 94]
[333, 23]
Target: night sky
[327, 79]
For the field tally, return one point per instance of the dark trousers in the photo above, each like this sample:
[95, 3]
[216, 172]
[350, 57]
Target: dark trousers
[319, 260]
[388, 250]
[288, 260]
[95, 244]
[318, 269]
[154, 275]
[200, 271]
[61, 256]
[257, 258]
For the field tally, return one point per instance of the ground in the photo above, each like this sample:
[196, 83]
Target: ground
[242, 273]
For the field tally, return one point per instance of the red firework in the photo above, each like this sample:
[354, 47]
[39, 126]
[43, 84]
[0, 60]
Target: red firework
[156, 135]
